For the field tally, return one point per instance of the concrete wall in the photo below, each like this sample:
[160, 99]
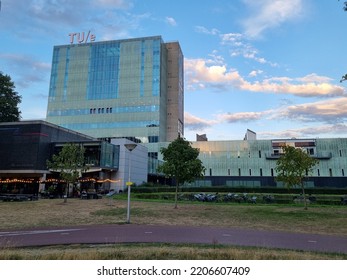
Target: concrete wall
[138, 159]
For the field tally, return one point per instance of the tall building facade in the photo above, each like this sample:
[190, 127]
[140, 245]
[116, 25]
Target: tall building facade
[129, 88]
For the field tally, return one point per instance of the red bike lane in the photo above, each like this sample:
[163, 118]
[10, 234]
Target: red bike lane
[132, 233]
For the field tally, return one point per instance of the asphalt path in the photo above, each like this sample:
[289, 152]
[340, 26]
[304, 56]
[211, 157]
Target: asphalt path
[131, 233]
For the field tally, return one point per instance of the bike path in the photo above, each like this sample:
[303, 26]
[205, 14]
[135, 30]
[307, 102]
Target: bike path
[132, 233]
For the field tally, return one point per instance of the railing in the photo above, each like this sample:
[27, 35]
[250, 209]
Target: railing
[321, 155]
[272, 156]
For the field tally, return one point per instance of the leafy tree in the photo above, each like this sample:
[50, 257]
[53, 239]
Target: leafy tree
[293, 166]
[70, 163]
[181, 163]
[345, 6]
[9, 100]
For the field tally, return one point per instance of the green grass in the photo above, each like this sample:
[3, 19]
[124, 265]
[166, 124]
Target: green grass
[160, 252]
[327, 219]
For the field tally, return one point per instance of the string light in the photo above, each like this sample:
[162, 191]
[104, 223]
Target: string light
[53, 180]
[28, 181]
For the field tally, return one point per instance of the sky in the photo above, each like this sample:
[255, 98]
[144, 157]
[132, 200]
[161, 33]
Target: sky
[271, 66]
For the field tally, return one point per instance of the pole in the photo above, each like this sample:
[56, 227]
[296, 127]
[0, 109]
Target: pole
[129, 147]
[128, 209]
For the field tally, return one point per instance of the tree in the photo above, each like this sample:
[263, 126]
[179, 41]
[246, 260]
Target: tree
[293, 166]
[345, 6]
[70, 163]
[9, 100]
[181, 163]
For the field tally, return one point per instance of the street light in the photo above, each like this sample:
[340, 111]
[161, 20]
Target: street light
[129, 147]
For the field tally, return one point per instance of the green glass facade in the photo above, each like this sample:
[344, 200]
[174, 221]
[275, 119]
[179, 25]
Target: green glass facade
[252, 163]
[111, 89]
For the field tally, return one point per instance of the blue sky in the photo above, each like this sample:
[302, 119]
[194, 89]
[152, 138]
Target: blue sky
[272, 66]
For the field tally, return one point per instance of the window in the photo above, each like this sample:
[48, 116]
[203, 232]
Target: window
[261, 172]
[153, 155]
[153, 139]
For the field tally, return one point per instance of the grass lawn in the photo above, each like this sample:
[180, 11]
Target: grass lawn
[47, 213]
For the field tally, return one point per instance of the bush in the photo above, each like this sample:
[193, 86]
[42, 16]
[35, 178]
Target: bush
[154, 188]
[280, 195]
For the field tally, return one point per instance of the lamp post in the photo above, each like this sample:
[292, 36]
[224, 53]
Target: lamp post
[129, 147]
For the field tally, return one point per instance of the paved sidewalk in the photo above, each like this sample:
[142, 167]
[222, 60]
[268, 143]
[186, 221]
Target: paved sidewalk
[172, 234]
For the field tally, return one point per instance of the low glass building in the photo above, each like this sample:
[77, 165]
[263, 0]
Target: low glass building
[252, 163]
[26, 146]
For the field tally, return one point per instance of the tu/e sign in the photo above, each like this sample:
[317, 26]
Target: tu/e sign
[81, 37]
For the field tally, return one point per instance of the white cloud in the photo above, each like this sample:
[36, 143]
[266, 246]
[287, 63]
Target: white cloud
[299, 89]
[330, 115]
[119, 4]
[330, 111]
[205, 73]
[238, 43]
[310, 131]
[57, 18]
[240, 117]
[268, 14]
[255, 73]
[285, 134]
[204, 30]
[27, 68]
[198, 73]
[192, 122]
[314, 78]
[240, 46]
[234, 39]
[171, 21]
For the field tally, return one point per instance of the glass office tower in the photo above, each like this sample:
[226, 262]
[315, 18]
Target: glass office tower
[124, 88]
